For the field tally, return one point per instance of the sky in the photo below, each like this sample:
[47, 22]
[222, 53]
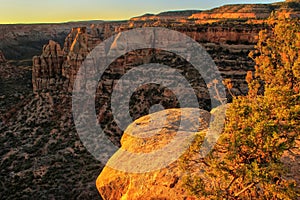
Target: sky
[46, 11]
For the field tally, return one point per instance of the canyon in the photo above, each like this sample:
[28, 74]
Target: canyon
[42, 155]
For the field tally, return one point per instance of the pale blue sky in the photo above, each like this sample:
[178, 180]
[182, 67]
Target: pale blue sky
[30, 11]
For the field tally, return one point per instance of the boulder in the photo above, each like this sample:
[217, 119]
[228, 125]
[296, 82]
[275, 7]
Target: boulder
[127, 178]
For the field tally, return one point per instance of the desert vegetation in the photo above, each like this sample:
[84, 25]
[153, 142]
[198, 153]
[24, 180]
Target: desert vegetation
[260, 127]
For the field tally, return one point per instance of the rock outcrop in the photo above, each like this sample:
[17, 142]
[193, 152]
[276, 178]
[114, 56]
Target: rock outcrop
[56, 67]
[146, 135]
[48, 67]
[149, 134]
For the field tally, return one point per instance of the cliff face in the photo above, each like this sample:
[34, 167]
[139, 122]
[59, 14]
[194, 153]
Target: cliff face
[56, 67]
[47, 67]
[225, 34]
[65, 62]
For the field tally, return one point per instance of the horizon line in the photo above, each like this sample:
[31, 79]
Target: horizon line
[128, 19]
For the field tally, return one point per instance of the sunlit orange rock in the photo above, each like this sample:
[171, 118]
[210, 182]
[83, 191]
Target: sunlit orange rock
[162, 183]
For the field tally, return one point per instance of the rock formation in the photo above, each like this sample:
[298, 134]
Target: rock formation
[47, 67]
[56, 68]
[23, 41]
[144, 136]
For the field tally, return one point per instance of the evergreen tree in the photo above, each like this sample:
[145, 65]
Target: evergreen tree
[260, 127]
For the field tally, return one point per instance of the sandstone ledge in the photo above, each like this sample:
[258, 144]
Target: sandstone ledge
[165, 183]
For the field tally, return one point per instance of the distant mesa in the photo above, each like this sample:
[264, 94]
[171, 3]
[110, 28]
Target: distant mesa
[290, 8]
[166, 16]
[238, 11]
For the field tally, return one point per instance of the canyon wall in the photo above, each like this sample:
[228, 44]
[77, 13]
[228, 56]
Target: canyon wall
[228, 43]
[55, 69]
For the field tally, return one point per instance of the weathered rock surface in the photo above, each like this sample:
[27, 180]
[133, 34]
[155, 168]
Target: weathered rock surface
[56, 67]
[146, 135]
[47, 67]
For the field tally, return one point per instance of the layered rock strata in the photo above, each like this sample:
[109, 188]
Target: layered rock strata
[56, 68]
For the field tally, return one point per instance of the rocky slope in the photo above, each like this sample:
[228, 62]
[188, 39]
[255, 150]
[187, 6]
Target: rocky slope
[41, 154]
[16, 85]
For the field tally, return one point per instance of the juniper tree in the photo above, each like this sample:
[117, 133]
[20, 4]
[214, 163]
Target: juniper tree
[246, 162]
